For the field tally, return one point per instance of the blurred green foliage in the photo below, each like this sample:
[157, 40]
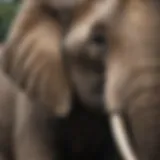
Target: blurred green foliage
[7, 14]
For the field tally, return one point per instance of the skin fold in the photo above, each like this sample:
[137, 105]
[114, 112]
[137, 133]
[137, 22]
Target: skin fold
[132, 87]
[131, 84]
[40, 119]
[112, 57]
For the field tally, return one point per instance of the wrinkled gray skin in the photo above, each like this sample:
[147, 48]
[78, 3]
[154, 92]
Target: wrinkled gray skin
[27, 128]
[131, 28]
[25, 132]
[132, 81]
[133, 75]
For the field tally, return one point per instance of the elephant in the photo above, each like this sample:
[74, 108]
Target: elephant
[35, 90]
[118, 42]
[132, 85]
[131, 29]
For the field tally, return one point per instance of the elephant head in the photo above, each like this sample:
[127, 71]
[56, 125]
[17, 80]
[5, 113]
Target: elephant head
[132, 70]
[132, 89]
[115, 45]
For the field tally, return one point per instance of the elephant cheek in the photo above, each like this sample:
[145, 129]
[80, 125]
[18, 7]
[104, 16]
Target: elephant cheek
[142, 101]
[115, 78]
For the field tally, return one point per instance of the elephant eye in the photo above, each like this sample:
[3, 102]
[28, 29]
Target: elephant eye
[98, 36]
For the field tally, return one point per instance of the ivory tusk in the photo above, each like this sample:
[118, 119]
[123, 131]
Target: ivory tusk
[121, 137]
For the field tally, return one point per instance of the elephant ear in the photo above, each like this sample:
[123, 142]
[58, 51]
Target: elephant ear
[34, 63]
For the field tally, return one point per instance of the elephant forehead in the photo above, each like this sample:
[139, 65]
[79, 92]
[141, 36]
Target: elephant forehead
[87, 17]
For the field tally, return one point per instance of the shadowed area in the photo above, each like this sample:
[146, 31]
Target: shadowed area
[85, 135]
